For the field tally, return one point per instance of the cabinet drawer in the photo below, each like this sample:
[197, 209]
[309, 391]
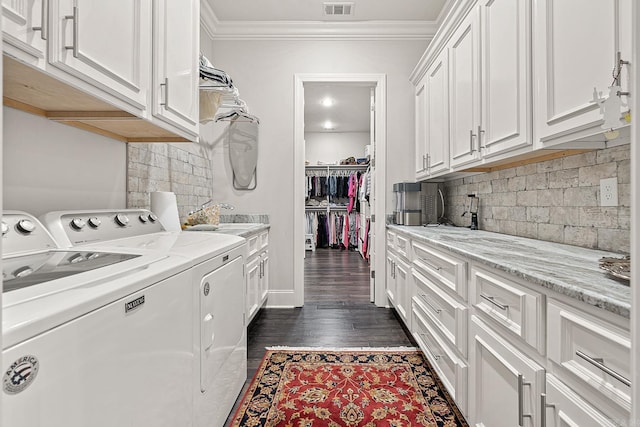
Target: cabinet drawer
[589, 349]
[450, 368]
[450, 271]
[253, 244]
[264, 240]
[563, 407]
[403, 246]
[517, 309]
[391, 240]
[449, 316]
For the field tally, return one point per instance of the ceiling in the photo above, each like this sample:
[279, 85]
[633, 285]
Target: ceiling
[313, 10]
[350, 110]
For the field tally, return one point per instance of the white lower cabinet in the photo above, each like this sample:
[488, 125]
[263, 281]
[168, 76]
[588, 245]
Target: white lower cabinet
[449, 366]
[257, 284]
[514, 354]
[390, 283]
[504, 383]
[403, 289]
[399, 283]
[515, 308]
[563, 407]
[593, 354]
[448, 315]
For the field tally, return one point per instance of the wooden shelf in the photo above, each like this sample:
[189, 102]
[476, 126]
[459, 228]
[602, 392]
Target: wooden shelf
[35, 92]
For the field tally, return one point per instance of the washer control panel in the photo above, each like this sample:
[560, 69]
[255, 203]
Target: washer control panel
[72, 228]
[22, 232]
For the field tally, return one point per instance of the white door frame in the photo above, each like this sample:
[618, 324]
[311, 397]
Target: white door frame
[634, 104]
[379, 81]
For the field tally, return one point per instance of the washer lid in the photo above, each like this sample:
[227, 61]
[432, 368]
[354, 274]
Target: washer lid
[28, 270]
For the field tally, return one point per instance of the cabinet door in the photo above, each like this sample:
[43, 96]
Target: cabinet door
[391, 278]
[264, 280]
[176, 35]
[106, 44]
[403, 291]
[437, 132]
[505, 385]
[506, 75]
[24, 30]
[421, 130]
[574, 53]
[252, 294]
[464, 92]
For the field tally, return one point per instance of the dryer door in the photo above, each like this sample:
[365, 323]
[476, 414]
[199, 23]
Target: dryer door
[222, 319]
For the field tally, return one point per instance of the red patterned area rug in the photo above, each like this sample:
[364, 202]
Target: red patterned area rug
[351, 387]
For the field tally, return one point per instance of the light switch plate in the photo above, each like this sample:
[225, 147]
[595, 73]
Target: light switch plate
[609, 192]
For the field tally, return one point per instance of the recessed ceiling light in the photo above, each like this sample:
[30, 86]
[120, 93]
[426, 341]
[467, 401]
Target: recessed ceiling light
[327, 102]
[328, 125]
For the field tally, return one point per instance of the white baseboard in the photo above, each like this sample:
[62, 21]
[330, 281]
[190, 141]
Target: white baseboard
[280, 299]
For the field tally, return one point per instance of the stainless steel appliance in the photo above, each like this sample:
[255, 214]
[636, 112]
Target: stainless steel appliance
[407, 210]
[432, 202]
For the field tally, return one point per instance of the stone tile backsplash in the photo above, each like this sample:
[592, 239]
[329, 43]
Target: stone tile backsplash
[182, 168]
[556, 200]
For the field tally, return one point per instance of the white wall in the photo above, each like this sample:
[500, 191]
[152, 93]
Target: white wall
[50, 166]
[334, 146]
[264, 73]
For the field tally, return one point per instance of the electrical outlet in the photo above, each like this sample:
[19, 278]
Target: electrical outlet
[609, 192]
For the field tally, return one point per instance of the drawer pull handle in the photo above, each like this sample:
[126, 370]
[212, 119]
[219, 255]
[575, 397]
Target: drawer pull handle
[543, 409]
[424, 340]
[424, 298]
[493, 301]
[521, 414]
[598, 363]
[430, 265]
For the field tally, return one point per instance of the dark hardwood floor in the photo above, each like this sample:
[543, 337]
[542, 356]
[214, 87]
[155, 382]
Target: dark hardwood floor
[336, 312]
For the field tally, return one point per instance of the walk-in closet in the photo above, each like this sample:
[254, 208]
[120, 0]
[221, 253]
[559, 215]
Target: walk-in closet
[337, 184]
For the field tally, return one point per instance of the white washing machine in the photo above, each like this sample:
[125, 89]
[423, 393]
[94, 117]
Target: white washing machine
[93, 337]
[181, 364]
[217, 288]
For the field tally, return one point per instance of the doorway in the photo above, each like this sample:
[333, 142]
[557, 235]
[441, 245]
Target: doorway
[376, 85]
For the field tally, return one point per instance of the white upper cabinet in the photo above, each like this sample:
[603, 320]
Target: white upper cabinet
[176, 42]
[437, 116]
[24, 30]
[575, 53]
[506, 92]
[421, 130]
[464, 99]
[490, 71]
[105, 44]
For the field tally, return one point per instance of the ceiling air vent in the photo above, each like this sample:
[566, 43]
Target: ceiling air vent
[338, 8]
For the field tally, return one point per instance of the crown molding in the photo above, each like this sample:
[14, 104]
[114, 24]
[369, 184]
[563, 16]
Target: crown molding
[450, 19]
[317, 30]
[208, 19]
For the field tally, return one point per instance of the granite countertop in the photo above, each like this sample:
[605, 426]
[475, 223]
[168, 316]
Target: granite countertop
[569, 270]
[245, 230]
